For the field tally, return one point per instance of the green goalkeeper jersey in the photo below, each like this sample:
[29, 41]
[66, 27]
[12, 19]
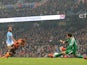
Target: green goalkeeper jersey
[72, 45]
[71, 48]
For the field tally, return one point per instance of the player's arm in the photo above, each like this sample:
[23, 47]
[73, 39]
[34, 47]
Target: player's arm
[13, 38]
[62, 41]
[11, 35]
[62, 48]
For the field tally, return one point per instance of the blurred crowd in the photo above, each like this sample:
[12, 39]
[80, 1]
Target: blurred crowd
[19, 8]
[43, 36]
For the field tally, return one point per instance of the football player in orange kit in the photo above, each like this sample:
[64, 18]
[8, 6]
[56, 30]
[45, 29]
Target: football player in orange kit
[14, 47]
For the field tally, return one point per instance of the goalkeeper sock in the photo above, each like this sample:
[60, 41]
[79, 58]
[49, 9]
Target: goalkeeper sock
[58, 55]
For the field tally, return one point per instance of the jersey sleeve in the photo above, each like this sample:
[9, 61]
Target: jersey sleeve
[10, 34]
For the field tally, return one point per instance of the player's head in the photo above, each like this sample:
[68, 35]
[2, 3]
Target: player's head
[69, 35]
[21, 42]
[10, 28]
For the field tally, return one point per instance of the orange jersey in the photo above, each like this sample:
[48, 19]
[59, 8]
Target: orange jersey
[19, 42]
[16, 45]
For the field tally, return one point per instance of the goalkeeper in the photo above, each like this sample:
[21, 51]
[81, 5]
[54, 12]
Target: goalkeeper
[70, 49]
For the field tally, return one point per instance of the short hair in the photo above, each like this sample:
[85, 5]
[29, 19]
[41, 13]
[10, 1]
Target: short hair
[9, 28]
[69, 34]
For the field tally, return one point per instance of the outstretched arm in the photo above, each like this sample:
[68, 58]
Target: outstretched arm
[62, 41]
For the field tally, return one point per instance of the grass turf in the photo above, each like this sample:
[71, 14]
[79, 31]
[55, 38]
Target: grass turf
[43, 61]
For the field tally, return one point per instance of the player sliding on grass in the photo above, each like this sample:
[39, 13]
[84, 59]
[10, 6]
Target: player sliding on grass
[70, 49]
[14, 47]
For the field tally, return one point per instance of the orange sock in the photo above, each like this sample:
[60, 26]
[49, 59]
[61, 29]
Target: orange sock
[7, 55]
[50, 55]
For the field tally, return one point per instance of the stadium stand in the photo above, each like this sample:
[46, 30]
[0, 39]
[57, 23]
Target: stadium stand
[40, 7]
[43, 36]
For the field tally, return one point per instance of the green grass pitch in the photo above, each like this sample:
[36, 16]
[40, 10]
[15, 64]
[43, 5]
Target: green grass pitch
[43, 61]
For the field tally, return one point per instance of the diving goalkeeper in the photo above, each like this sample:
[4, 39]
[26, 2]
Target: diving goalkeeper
[70, 49]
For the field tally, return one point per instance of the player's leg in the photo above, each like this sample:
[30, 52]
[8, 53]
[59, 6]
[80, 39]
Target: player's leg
[80, 56]
[9, 45]
[58, 55]
[54, 55]
[75, 54]
[62, 52]
[6, 55]
[10, 52]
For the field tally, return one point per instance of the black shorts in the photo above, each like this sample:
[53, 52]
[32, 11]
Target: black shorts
[13, 51]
